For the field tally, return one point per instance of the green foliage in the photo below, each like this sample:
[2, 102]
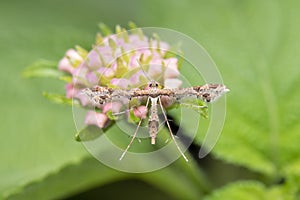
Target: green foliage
[263, 107]
[65, 182]
[58, 98]
[132, 118]
[105, 29]
[250, 190]
[88, 133]
[254, 43]
[42, 69]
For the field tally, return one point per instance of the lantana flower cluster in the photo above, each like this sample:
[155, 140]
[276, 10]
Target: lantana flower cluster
[123, 60]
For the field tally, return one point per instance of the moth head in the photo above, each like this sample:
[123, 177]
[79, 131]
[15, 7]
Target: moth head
[153, 84]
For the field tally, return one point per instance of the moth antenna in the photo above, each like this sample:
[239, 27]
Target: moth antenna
[162, 74]
[141, 66]
[171, 133]
[134, 135]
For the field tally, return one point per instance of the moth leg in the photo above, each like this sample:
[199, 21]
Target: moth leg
[161, 124]
[134, 135]
[171, 133]
[193, 106]
[123, 112]
[119, 113]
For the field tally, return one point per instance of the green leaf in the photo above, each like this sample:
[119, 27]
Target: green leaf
[88, 133]
[261, 126]
[105, 29]
[111, 115]
[249, 190]
[183, 182]
[67, 78]
[132, 25]
[81, 51]
[69, 180]
[112, 44]
[99, 39]
[196, 105]
[185, 179]
[43, 69]
[132, 118]
[253, 44]
[58, 98]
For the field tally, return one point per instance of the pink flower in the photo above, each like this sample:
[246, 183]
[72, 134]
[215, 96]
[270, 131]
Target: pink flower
[171, 68]
[84, 99]
[92, 78]
[105, 53]
[73, 55]
[107, 72]
[120, 82]
[70, 90]
[162, 46]
[134, 61]
[95, 118]
[93, 61]
[137, 42]
[115, 107]
[140, 112]
[135, 78]
[79, 76]
[172, 83]
[65, 65]
[70, 61]
[155, 70]
[120, 62]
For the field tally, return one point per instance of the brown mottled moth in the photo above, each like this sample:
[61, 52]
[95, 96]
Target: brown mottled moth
[208, 93]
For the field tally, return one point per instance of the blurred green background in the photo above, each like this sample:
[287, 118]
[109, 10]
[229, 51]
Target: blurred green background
[254, 43]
